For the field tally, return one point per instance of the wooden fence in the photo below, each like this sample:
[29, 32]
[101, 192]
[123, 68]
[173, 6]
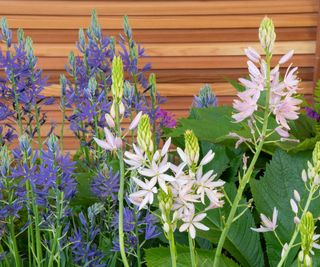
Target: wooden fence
[189, 43]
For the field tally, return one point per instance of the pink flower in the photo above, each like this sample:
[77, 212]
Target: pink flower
[111, 143]
[246, 105]
[286, 109]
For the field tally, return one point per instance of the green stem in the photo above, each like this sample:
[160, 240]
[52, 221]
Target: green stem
[192, 251]
[173, 251]
[121, 191]
[5, 257]
[296, 231]
[35, 210]
[138, 243]
[15, 249]
[57, 235]
[247, 175]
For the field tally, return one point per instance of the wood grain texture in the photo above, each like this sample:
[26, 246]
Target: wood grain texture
[163, 22]
[152, 8]
[188, 43]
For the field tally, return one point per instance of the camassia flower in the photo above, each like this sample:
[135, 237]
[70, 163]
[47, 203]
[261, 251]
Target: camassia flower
[145, 195]
[191, 222]
[111, 143]
[267, 225]
[283, 103]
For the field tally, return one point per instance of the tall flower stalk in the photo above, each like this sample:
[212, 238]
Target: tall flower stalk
[278, 100]
[117, 110]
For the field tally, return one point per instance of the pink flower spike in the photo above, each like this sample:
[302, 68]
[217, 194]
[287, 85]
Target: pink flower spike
[252, 54]
[135, 121]
[286, 57]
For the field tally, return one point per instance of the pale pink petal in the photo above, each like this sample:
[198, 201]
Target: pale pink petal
[286, 57]
[135, 121]
[165, 147]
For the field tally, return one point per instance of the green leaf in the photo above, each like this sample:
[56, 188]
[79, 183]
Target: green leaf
[209, 124]
[242, 243]
[160, 257]
[221, 160]
[236, 85]
[275, 189]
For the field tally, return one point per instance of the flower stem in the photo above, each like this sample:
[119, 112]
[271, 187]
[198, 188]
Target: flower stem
[248, 173]
[296, 231]
[173, 250]
[192, 252]
[138, 243]
[121, 191]
[15, 249]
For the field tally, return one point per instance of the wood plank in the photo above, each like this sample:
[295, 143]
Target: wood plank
[188, 50]
[192, 75]
[187, 89]
[157, 8]
[176, 36]
[216, 62]
[162, 22]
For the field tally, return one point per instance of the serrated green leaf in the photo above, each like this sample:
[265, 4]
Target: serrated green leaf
[160, 257]
[242, 243]
[275, 189]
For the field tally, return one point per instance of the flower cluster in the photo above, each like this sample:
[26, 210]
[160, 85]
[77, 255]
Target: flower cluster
[186, 187]
[205, 99]
[21, 85]
[91, 82]
[281, 93]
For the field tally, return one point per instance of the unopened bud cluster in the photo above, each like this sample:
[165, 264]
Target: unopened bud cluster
[192, 149]
[306, 228]
[165, 205]
[267, 35]
[144, 136]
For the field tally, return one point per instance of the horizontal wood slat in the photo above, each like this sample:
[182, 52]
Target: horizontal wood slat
[188, 42]
[188, 50]
[188, 89]
[163, 22]
[175, 35]
[151, 8]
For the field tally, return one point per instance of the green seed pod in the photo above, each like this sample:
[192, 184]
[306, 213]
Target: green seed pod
[267, 34]
[144, 135]
[117, 79]
[191, 147]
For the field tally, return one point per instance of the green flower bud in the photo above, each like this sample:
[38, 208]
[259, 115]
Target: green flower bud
[95, 27]
[117, 79]
[4, 160]
[144, 136]
[53, 143]
[63, 87]
[191, 147]
[29, 48]
[20, 35]
[267, 35]
[153, 88]
[306, 228]
[72, 62]
[316, 156]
